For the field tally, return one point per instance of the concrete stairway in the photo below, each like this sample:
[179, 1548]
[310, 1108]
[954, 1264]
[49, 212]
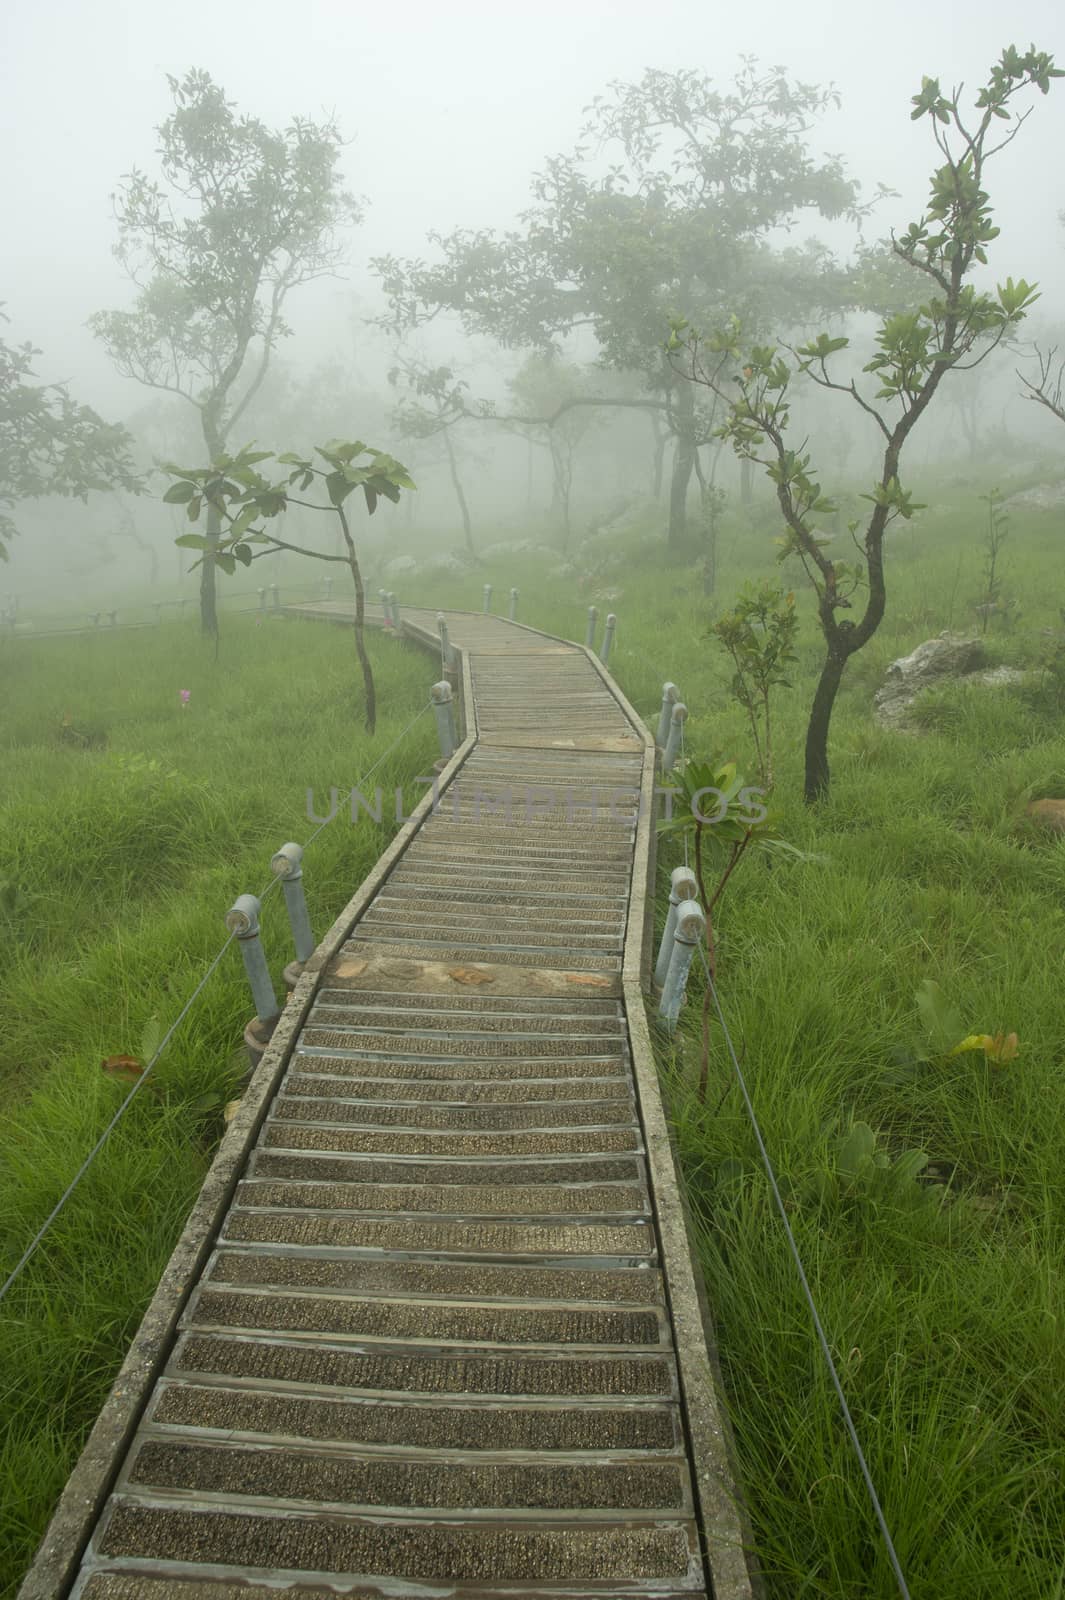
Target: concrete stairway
[429, 1349]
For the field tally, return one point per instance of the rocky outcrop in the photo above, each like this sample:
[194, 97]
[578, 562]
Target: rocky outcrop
[933, 663]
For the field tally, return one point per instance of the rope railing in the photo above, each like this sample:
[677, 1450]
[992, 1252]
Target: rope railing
[235, 933]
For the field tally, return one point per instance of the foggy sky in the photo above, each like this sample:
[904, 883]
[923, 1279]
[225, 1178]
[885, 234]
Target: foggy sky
[449, 109]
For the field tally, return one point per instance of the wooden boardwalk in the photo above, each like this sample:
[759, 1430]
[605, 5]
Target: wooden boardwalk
[433, 1329]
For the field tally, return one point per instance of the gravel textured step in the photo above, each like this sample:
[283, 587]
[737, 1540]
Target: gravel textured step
[578, 1114]
[494, 1044]
[428, 1551]
[506, 954]
[457, 1238]
[456, 1091]
[292, 1135]
[460, 1069]
[295, 1474]
[450, 1279]
[324, 1169]
[453, 1199]
[557, 1428]
[498, 1376]
[340, 1013]
[440, 1006]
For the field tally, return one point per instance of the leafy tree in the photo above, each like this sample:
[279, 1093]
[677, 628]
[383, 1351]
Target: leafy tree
[954, 329]
[680, 224]
[759, 635]
[244, 216]
[242, 500]
[432, 404]
[49, 444]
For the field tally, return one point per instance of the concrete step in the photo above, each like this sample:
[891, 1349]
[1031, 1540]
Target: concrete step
[459, 1069]
[457, 1091]
[467, 1119]
[482, 1145]
[435, 1427]
[447, 1199]
[324, 1367]
[428, 1551]
[622, 1286]
[351, 1482]
[549, 1238]
[427, 1321]
[559, 1174]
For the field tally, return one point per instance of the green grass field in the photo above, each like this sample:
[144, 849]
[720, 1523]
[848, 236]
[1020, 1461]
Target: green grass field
[943, 1301]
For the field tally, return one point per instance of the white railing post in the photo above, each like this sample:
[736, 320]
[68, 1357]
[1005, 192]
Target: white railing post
[678, 717]
[682, 886]
[690, 928]
[670, 696]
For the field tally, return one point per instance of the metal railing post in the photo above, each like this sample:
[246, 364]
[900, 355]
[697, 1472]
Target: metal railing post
[608, 638]
[487, 598]
[287, 864]
[393, 606]
[690, 928]
[589, 636]
[682, 886]
[677, 718]
[443, 708]
[513, 612]
[275, 596]
[242, 918]
[670, 696]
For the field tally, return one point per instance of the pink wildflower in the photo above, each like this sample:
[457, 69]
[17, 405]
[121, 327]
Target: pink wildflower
[186, 696]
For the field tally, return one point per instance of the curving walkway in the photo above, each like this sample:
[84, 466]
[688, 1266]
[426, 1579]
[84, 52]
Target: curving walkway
[433, 1328]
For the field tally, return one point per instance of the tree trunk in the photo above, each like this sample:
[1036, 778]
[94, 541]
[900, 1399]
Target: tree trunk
[360, 618]
[661, 439]
[560, 493]
[817, 774]
[208, 598]
[459, 492]
[746, 481]
[214, 441]
[683, 465]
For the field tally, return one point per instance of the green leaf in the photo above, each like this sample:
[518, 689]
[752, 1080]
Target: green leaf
[179, 494]
[243, 554]
[193, 541]
[226, 563]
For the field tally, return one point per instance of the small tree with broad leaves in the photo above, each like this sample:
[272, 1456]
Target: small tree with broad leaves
[956, 328]
[234, 488]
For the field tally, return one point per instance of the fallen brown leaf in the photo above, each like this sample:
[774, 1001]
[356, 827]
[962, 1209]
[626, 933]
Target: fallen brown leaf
[123, 1066]
[589, 979]
[469, 975]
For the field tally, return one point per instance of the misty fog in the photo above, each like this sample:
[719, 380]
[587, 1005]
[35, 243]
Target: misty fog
[446, 114]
